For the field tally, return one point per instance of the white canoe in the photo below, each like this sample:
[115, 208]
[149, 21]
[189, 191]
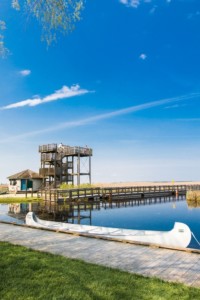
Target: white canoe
[179, 236]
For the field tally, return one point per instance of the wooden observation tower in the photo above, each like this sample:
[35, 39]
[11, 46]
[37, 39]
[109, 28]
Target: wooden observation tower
[64, 164]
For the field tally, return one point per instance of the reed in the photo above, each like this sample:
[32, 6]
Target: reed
[193, 198]
[193, 195]
[65, 186]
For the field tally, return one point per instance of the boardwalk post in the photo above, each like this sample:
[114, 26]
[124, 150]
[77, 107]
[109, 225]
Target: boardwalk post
[90, 180]
[78, 169]
[70, 195]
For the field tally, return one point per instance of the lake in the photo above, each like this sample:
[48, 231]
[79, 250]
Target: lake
[151, 214]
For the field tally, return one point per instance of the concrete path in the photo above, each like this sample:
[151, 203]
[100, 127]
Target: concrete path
[169, 265]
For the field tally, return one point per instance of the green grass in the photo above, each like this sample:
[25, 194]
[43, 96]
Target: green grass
[31, 275]
[19, 199]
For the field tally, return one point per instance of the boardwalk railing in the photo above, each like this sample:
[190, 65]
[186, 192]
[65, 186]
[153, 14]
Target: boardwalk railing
[115, 193]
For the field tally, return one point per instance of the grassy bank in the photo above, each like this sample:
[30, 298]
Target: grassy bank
[18, 199]
[27, 274]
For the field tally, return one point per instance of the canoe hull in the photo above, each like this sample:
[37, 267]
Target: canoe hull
[179, 236]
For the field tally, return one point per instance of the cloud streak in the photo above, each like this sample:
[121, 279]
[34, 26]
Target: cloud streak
[136, 3]
[143, 56]
[130, 3]
[25, 72]
[188, 119]
[104, 116]
[64, 92]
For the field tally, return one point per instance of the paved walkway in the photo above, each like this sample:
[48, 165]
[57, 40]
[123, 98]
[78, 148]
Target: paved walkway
[166, 264]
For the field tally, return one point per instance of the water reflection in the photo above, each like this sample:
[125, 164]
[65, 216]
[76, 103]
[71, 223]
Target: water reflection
[152, 213]
[77, 212]
[193, 203]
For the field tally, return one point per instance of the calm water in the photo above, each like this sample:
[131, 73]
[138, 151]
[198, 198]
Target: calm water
[155, 216]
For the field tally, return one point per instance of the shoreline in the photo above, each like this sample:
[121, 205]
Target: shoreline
[145, 183]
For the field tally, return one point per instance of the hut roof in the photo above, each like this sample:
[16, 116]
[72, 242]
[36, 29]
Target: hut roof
[26, 174]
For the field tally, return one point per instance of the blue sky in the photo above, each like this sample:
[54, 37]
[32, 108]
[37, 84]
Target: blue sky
[125, 82]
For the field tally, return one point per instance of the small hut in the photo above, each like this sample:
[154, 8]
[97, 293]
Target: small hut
[26, 180]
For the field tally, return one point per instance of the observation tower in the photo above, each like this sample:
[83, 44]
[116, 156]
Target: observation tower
[64, 164]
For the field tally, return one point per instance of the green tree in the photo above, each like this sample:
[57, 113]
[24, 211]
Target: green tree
[54, 16]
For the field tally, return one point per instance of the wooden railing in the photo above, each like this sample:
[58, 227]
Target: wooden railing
[49, 151]
[114, 193]
[3, 190]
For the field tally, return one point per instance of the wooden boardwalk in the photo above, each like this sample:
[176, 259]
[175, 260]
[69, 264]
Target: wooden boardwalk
[169, 265]
[116, 193]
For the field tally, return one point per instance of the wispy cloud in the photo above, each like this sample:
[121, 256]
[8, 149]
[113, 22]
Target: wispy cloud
[136, 3]
[175, 106]
[194, 15]
[100, 117]
[188, 119]
[172, 106]
[152, 11]
[143, 56]
[25, 72]
[64, 92]
[130, 3]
